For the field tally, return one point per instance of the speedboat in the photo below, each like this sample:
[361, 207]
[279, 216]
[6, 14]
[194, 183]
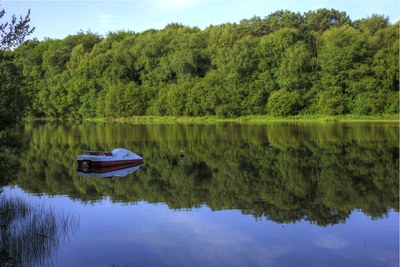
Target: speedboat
[101, 159]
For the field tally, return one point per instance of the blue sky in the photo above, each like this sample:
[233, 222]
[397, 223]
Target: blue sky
[57, 19]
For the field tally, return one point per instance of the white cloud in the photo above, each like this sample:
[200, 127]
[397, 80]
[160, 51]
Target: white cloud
[180, 3]
[330, 242]
[174, 4]
[106, 19]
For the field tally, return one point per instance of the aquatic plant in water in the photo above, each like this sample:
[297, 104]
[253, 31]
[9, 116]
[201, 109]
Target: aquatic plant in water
[30, 234]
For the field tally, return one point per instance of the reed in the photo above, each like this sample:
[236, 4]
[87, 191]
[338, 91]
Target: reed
[30, 234]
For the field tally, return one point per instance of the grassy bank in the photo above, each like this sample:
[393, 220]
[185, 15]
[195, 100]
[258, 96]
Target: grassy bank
[244, 119]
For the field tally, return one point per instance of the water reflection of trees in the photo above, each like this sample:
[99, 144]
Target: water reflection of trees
[10, 149]
[28, 234]
[282, 172]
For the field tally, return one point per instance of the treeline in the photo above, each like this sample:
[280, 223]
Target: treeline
[284, 178]
[287, 63]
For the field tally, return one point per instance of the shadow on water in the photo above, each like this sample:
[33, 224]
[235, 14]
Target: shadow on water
[28, 234]
[284, 172]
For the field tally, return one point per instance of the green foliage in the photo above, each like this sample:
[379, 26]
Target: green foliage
[294, 71]
[330, 103]
[323, 19]
[340, 53]
[386, 59]
[284, 103]
[372, 24]
[14, 32]
[12, 97]
[13, 92]
[371, 103]
[336, 65]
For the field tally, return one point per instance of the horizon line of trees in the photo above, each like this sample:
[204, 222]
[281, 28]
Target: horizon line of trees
[287, 63]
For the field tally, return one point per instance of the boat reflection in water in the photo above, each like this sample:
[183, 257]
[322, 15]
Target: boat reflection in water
[107, 172]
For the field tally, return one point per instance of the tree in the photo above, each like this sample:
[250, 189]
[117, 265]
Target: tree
[336, 66]
[13, 33]
[317, 22]
[340, 51]
[323, 19]
[12, 100]
[11, 95]
[284, 19]
[372, 24]
[386, 60]
[254, 27]
[294, 73]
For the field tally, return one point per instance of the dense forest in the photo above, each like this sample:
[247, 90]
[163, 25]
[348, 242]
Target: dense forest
[320, 62]
[283, 172]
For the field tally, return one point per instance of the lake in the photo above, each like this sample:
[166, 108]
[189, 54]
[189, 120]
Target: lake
[224, 194]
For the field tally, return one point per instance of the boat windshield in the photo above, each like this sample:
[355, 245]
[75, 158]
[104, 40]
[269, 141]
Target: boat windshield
[98, 153]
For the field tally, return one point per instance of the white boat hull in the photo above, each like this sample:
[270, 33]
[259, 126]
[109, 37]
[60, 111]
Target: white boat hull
[117, 157]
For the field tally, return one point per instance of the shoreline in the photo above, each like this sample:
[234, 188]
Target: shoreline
[216, 119]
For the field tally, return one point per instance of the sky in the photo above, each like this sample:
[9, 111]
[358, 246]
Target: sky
[57, 19]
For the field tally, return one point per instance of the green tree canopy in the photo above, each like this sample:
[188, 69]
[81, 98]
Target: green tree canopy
[329, 63]
[12, 95]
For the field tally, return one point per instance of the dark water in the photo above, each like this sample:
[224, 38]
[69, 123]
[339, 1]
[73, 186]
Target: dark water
[279, 194]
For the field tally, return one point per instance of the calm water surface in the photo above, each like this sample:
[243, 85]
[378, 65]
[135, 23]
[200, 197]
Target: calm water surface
[279, 194]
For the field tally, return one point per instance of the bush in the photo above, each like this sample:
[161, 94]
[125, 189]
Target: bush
[284, 103]
[368, 103]
[330, 103]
